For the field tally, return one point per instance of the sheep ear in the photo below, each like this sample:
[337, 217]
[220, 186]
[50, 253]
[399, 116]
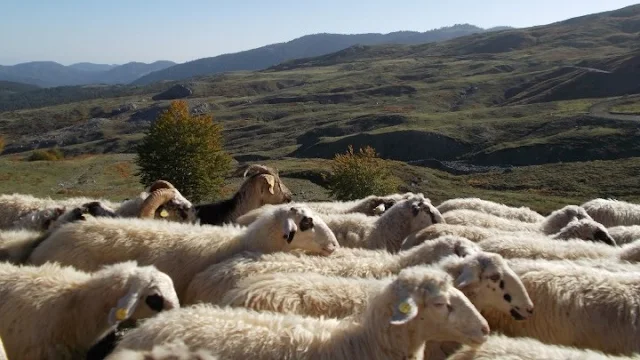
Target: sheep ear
[125, 306]
[289, 229]
[379, 210]
[465, 278]
[271, 181]
[404, 311]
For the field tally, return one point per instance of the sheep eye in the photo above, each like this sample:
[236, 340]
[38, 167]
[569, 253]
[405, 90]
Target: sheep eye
[155, 302]
[306, 223]
[494, 277]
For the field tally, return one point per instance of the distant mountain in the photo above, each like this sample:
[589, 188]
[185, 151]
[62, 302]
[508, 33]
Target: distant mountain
[50, 74]
[129, 72]
[303, 47]
[91, 67]
[10, 87]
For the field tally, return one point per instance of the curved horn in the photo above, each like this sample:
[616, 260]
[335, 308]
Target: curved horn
[154, 200]
[256, 169]
[161, 184]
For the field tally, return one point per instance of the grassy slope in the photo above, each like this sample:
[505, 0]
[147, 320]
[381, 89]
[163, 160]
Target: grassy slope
[491, 98]
[544, 188]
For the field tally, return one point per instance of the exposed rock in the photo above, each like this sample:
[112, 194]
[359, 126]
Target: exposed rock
[174, 92]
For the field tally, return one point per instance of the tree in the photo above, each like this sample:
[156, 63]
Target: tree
[357, 175]
[185, 150]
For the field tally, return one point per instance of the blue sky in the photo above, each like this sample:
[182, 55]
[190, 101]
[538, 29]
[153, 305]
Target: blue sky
[119, 31]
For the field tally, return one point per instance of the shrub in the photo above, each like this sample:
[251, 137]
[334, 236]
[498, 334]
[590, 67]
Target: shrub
[358, 175]
[53, 154]
[186, 150]
[2, 143]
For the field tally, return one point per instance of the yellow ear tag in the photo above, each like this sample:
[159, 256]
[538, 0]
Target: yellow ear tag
[164, 213]
[121, 314]
[404, 308]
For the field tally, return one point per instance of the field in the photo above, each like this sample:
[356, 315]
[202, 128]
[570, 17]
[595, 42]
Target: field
[539, 116]
[542, 187]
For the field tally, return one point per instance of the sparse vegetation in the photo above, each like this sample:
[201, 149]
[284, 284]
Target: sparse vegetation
[53, 154]
[357, 175]
[185, 150]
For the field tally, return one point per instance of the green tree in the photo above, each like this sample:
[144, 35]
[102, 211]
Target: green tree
[357, 175]
[185, 150]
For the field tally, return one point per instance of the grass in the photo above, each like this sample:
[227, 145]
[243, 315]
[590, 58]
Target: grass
[631, 107]
[544, 188]
[507, 98]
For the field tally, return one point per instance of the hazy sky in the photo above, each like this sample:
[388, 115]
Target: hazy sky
[119, 31]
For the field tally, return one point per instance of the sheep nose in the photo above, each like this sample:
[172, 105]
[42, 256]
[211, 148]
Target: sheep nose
[530, 310]
[486, 330]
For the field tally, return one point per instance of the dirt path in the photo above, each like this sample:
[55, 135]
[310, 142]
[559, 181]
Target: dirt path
[601, 109]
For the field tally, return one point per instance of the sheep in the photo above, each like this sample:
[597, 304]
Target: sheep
[182, 250]
[477, 276]
[535, 248]
[356, 230]
[16, 245]
[578, 306]
[625, 234]
[169, 351]
[3, 353]
[610, 212]
[211, 284]
[27, 212]
[421, 304]
[387, 231]
[371, 205]
[263, 186]
[57, 312]
[552, 223]
[500, 347]
[522, 213]
[584, 229]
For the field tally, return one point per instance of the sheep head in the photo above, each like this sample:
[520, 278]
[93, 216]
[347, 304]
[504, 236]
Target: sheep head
[165, 202]
[264, 183]
[296, 228]
[424, 298]
[488, 281]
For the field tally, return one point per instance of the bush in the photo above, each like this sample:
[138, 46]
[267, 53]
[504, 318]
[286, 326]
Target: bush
[358, 175]
[53, 154]
[185, 150]
[2, 143]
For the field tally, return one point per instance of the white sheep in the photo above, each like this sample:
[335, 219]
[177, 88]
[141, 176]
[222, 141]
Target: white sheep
[552, 223]
[536, 248]
[211, 284]
[58, 312]
[610, 212]
[578, 306]
[386, 231]
[625, 234]
[421, 304]
[521, 348]
[182, 250]
[163, 201]
[3, 353]
[522, 213]
[177, 350]
[584, 229]
[485, 278]
[371, 205]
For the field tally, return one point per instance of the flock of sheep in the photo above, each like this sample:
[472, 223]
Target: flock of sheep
[259, 276]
